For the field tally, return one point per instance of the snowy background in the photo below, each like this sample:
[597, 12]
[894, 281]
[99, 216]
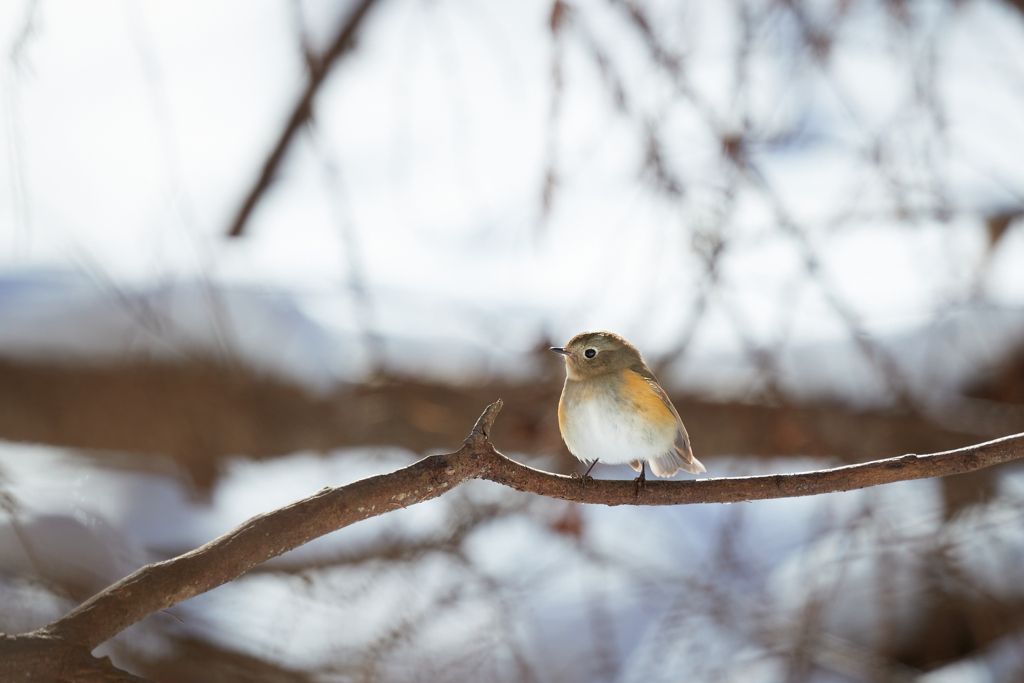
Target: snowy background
[807, 205]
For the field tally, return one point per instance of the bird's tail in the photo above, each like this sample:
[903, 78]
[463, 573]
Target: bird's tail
[677, 459]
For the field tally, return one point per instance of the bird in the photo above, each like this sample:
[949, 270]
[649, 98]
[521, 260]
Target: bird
[612, 409]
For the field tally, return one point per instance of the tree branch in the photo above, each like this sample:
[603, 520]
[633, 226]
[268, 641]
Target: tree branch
[301, 113]
[765, 487]
[163, 584]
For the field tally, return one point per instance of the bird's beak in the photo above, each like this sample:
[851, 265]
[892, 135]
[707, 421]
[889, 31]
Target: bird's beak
[561, 350]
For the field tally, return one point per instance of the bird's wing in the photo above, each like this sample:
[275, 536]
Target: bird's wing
[682, 442]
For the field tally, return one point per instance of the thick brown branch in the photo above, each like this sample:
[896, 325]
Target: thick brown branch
[301, 113]
[161, 585]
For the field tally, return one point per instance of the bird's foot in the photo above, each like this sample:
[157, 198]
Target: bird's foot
[640, 484]
[584, 478]
[586, 475]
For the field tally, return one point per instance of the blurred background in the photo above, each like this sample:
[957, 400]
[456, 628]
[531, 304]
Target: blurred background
[251, 249]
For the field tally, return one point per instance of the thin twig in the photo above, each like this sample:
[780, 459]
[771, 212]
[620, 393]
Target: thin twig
[301, 113]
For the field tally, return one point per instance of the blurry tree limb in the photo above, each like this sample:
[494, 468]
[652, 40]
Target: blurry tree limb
[40, 655]
[192, 659]
[303, 110]
[1016, 4]
[124, 413]
[36, 658]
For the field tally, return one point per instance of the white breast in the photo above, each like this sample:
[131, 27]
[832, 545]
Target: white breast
[599, 430]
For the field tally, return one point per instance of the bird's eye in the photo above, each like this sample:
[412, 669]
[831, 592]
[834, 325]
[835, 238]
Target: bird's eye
[590, 353]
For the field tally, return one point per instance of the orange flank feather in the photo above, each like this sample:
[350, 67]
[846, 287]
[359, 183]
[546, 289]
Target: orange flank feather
[639, 391]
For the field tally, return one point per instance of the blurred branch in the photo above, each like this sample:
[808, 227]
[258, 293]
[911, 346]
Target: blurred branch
[42, 659]
[561, 15]
[195, 661]
[1016, 4]
[398, 550]
[42, 655]
[97, 409]
[319, 68]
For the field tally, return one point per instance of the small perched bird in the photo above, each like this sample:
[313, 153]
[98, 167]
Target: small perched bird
[613, 410]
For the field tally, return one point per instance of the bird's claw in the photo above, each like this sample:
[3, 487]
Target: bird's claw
[640, 484]
[582, 477]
